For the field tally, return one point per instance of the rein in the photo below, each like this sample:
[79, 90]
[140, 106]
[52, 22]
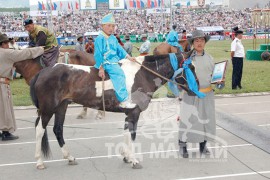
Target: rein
[157, 74]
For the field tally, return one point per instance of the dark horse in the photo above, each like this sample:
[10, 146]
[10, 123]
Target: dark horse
[52, 89]
[165, 48]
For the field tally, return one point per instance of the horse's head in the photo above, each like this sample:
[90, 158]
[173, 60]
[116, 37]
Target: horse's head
[182, 80]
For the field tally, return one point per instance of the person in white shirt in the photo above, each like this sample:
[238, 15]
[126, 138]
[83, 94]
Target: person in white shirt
[237, 55]
[145, 47]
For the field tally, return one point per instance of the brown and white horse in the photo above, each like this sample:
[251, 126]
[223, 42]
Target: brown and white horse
[74, 57]
[53, 88]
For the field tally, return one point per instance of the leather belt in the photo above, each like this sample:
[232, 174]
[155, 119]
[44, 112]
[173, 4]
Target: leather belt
[4, 80]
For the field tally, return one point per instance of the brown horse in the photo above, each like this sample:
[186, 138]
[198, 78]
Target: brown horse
[165, 48]
[53, 88]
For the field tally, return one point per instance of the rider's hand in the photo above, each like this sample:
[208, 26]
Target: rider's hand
[101, 73]
[131, 58]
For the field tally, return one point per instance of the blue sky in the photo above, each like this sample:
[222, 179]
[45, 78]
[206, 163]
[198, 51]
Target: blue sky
[14, 4]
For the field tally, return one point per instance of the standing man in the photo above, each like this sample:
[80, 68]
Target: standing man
[145, 47]
[79, 45]
[8, 58]
[128, 45]
[41, 36]
[198, 122]
[237, 55]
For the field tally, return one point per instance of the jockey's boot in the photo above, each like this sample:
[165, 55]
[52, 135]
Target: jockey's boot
[183, 149]
[127, 105]
[203, 148]
[6, 136]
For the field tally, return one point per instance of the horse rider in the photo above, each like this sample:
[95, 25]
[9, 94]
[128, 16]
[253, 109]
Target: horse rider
[145, 47]
[108, 52]
[41, 36]
[8, 58]
[172, 38]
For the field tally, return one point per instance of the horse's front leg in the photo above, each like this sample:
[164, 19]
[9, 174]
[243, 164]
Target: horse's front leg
[127, 151]
[83, 113]
[58, 131]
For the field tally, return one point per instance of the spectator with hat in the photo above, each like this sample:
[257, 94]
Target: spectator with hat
[128, 45]
[79, 45]
[8, 58]
[90, 47]
[41, 36]
[237, 56]
[12, 44]
[145, 47]
[197, 113]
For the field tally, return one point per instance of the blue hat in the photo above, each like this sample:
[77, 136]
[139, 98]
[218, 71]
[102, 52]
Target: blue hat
[108, 19]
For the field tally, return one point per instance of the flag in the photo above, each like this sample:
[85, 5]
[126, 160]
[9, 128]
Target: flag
[71, 6]
[149, 3]
[68, 6]
[39, 6]
[155, 3]
[54, 6]
[48, 6]
[77, 5]
[142, 4]
[152, 4]
[131, 3]
[138, 3]
[134, 3]
[125, 5]
[188, 3]
[159, 3]
[43, 6]
[61, 5]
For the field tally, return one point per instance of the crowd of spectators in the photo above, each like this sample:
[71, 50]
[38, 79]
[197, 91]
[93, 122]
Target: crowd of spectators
[134, 21]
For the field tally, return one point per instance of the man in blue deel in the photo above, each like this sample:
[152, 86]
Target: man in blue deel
[107, 54]
[172, 38]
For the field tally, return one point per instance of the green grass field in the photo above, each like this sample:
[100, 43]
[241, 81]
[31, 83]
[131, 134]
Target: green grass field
[255, 73]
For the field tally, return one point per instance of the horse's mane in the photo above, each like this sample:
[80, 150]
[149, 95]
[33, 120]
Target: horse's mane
[154, 58]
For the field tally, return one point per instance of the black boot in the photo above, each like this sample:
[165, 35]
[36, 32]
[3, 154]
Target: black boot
[183, 149]
[203, 148]
[6, 136]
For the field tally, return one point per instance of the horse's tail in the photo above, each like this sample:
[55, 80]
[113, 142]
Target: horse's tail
[45, 148]
[33, 92]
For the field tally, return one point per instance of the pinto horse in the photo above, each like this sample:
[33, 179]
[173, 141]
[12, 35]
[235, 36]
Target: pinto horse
[165, 48]
[75, 57]
[52, 89]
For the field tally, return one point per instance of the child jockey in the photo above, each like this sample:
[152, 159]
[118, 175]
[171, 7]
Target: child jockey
[107, 54]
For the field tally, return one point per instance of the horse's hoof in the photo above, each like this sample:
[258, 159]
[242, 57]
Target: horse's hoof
[137, 166]
[72, 162]
[126, 160]
[41, 167]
